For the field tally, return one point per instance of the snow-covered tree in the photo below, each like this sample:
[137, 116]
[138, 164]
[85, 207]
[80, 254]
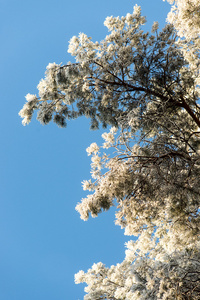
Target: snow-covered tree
[147, 87]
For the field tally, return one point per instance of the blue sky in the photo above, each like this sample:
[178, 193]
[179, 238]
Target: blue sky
[43, 242]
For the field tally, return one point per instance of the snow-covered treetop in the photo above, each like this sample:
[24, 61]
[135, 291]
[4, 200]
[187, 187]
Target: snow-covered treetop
[147, 87]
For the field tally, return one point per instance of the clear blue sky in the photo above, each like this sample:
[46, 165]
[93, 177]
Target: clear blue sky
[43, 242]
